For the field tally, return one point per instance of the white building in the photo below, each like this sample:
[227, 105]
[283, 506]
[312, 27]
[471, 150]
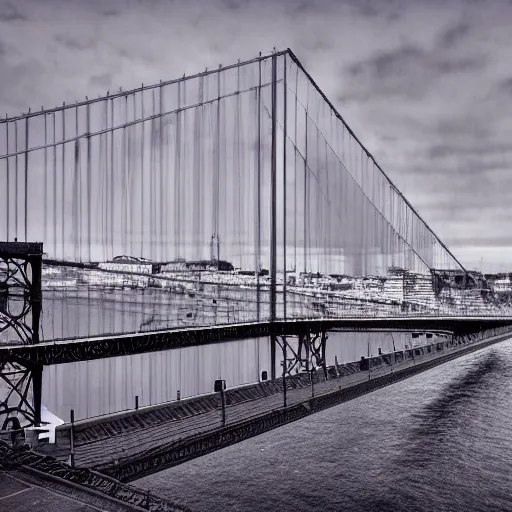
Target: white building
[128, 264]
[502, 285]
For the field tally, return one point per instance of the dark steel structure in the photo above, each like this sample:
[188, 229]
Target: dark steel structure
[113, 346]
[20, 310]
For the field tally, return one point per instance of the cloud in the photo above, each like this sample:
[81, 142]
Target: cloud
[505, 86]
[455, 34]
[74, 42]
[9, 13]
[482, 242]
[407, 72]
[104, 80]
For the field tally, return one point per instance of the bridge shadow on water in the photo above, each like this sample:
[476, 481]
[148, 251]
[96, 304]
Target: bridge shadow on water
[451, 457]
[458, 398]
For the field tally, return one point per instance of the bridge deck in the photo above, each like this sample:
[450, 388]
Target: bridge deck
[84, 349]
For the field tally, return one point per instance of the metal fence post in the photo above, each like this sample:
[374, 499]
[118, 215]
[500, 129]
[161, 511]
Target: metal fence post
[220, 386]
[72, 438]
[223, 405]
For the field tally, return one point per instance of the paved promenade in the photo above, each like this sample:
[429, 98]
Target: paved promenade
[22, 493]
[119, 439]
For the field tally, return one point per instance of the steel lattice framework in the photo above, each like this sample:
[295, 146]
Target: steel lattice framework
[20, 308]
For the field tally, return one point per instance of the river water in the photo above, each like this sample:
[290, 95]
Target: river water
[439, 441]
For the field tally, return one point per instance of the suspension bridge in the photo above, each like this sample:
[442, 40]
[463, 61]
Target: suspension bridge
[225, 223]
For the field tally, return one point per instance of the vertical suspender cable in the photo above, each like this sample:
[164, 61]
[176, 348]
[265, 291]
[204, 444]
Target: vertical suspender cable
[142, 173]
[161, 166]
[124, 186]
[131, 184]
[54, 187]
[295, 177]
[237, 175]
[16, 180]
[258, 198]
[285, 144]
[354, 203]
[177, 176]
[317, 198]
[80, 209]
[107, 185]
[112, 195]
[89, 186]
[63, 190]
[273, 196]
[7, 203]
[196, 170]
[327, 246]
[76, 190]
[199, 156]
[45, 199]
[306, 211]
[216, 185]
[89, 209]
[151, 177]
[184, 181]
[26, 177]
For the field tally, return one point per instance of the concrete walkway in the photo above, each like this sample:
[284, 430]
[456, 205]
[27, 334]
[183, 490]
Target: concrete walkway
[22, 493]
[106, 440]
[138, 440]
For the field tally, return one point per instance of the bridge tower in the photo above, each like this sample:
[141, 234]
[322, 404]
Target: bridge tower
[20, 311]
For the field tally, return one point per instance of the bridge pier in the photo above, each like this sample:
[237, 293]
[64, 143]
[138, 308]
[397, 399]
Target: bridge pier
[307, 356]
[20, 311]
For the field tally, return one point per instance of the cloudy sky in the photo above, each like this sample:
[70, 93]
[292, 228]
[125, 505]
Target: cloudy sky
[426, 85]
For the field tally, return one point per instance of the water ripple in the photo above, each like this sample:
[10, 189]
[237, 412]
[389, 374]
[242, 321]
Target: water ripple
[439, 441]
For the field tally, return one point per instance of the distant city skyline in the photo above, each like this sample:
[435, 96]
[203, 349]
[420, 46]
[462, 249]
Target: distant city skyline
[425, 85]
